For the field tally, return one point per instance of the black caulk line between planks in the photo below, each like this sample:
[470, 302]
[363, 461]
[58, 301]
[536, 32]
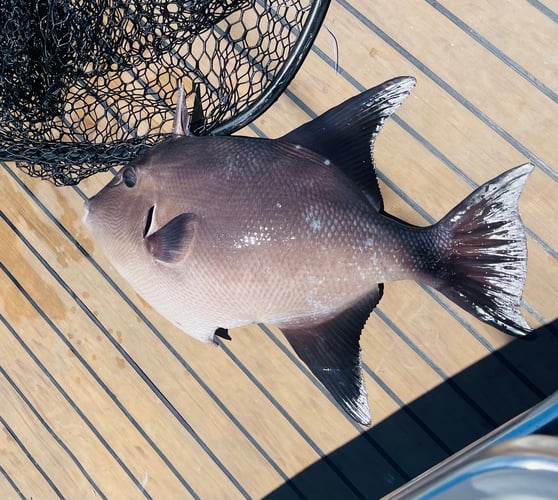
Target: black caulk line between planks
[12, 483]
[450, 91]
[485, 43]
[544, 9]
[52, 433]
[454, 168]
[30, 457]
[385, 387]
[51, 378]
[299, 429]
[88, 367]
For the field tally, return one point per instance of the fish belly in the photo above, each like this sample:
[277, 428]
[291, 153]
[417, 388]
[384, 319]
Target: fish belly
[298, 271]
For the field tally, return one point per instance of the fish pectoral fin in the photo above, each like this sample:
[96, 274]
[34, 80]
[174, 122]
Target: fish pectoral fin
[331, 350]
[171, 243]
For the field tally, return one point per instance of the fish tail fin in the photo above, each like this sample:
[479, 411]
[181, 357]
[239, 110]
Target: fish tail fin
[484, 253]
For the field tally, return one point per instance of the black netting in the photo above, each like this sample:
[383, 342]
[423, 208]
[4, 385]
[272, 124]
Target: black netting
[88, 84]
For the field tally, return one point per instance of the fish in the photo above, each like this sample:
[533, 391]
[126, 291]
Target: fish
[219, 232]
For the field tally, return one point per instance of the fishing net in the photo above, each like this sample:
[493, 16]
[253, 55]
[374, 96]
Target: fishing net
[86, 85]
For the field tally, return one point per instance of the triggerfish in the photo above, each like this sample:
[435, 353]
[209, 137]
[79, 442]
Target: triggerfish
[221, 232]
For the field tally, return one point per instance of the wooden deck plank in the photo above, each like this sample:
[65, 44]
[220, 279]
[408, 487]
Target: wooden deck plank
[20, 468]
[45, 447]
[522, 43]
[145, 405]
[8, 487]
[522, 113]
[66, 418]
[83, 391]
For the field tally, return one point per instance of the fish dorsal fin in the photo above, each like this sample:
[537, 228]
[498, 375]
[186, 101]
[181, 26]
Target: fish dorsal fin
[181, 123]
[346, 133]
[332, 352]
[197, 120]
[171, 243]
[184, 122]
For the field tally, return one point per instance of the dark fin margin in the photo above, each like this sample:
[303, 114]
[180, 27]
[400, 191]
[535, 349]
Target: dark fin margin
[346, 134]
[331, 351]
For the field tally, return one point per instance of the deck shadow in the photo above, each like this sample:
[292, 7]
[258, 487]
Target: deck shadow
[442, 421]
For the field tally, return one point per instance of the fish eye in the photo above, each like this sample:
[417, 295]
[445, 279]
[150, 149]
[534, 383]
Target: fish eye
[129, 177]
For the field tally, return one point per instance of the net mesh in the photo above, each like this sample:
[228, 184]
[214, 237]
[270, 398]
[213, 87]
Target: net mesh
[87, 84]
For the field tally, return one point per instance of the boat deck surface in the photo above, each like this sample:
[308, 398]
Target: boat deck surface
[102, 398]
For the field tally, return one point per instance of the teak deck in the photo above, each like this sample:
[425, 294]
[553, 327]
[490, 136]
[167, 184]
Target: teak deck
[102, 398]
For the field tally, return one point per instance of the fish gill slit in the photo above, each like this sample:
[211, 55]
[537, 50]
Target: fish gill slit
[148, 221]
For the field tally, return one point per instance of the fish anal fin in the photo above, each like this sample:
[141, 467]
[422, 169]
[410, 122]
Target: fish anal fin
[331, 350]
[346, 134]
[171, 243]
